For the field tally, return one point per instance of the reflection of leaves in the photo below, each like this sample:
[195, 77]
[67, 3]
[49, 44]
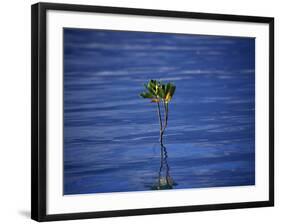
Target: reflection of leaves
[164, 183]
[158, 91]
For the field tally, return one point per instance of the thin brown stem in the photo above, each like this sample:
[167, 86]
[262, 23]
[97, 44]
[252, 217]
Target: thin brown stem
[160, 123]
[165, 105]
[159, 115]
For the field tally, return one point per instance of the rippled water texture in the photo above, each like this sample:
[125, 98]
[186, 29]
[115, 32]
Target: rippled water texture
[111, 134]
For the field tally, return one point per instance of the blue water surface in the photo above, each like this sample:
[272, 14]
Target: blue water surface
[111, 134]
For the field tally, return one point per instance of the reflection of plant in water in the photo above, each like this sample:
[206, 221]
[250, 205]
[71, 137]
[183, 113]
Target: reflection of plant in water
[161, 94]
[165, 181]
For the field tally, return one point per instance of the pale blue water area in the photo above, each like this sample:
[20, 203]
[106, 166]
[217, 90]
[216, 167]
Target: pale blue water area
[111, 134]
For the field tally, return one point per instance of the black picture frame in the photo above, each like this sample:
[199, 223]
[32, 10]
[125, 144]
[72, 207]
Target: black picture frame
[39, 122]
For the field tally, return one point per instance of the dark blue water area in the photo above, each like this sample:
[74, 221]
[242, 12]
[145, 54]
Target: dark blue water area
[111, 134]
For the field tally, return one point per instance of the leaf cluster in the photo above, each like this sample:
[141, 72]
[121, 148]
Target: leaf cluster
[157, 91]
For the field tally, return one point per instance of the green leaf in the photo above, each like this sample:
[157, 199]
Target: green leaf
[151, 90]
[151, 85]
[167, 88]
[172, 90]
[155, 100]
[161, 92]
[169, 92]
[146, 95]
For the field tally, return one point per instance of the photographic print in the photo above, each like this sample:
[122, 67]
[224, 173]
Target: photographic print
[148, 111]
[141, 111]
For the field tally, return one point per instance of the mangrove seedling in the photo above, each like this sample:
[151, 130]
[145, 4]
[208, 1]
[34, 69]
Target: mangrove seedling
[161, 94]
